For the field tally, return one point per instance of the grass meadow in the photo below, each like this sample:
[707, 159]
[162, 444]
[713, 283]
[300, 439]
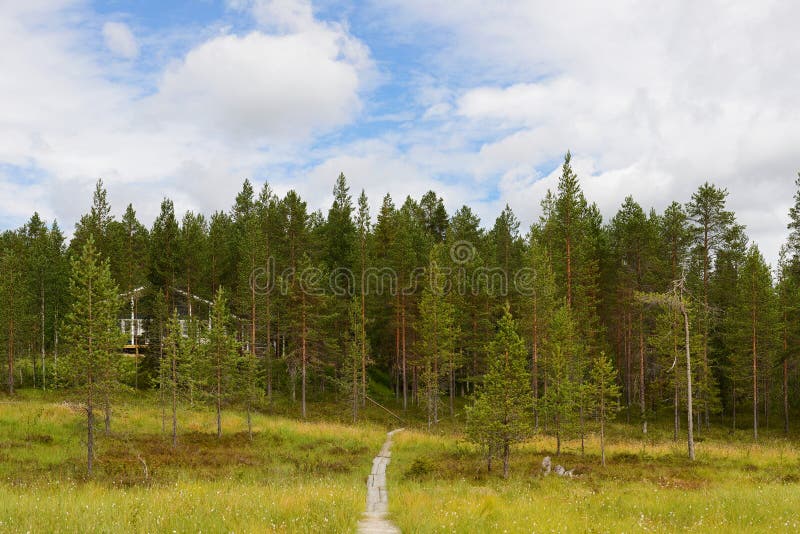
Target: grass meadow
[309, 477]
[440, 484]
[292, 477]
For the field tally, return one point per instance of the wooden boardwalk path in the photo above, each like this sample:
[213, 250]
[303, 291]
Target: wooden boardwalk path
[374, 520]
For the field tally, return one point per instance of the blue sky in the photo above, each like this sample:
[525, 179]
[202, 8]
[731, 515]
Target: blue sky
[478, 101]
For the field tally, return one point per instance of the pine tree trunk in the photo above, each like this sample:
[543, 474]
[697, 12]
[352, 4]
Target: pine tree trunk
[268, 356]
[41, 316]
[219, 393]
[642, 404]
[785, 396]
[89, 436]
[706, 378]
[174, 371]
[690, 422]
[602, 428]
[452, 388]
[403, 349]
[107, 413]
[363, 326]
[303, 359]
[676, 427]
[10, 382]
[558, 435]
[755, 375]
[506, 457]
[10, 378]
[535, 364]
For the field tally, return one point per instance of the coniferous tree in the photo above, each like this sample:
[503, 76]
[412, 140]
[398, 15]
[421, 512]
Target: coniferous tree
[751, 325]
[633, 237]
[248, 222]
[793, 244]
[437, 337]
[563, 373]
[434, 216]
[605, 395]
[506, 256]
[354, 359]
[270, 220]
[382, 281]
[171, 368]
[93, 336]
[501, 413]
[540, 305]
[711, 223]
[130, 260]
[788, 296]
[363, 228]
[221, 257]
[340, 238]
[465, 238]
[96, 224]
[165, 251]
[217, 369]
[16, 301]
[409, 256]
[191, 245]
[40, 261]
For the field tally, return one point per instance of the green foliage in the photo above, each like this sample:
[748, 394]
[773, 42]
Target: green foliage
[217, 366]
[502, 411]
[437, 337]
[563, 374]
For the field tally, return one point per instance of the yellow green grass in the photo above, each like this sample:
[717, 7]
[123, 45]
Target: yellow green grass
[309, 477]
[440, 484]
[292, 477]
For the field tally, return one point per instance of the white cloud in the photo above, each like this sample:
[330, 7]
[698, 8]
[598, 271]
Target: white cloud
[281, 15]
[259, 85]
[231, 106]
[120, 40]
[652, 99]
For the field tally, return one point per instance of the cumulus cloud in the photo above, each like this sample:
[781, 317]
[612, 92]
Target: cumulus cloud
[652, 99]
[229, 107]
[261, 85]
[120, 40]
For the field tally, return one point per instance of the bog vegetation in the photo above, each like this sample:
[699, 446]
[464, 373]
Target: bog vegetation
[642, 332]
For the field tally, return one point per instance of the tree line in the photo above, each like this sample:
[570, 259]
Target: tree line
[588, 301]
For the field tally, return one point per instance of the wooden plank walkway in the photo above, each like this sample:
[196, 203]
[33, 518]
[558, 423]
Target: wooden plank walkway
[374, 520]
